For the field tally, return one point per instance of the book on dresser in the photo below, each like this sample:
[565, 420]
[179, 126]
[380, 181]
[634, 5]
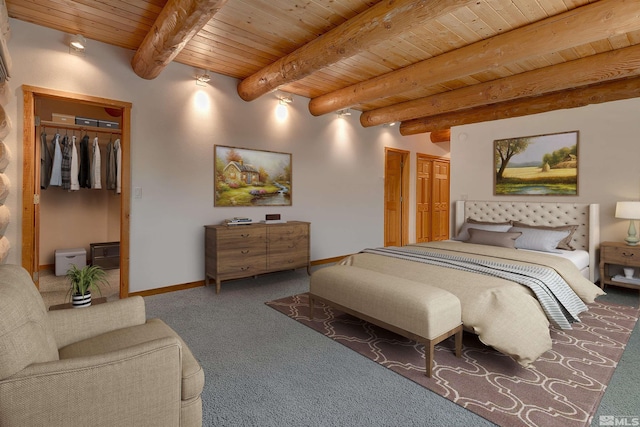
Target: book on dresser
[235, 252]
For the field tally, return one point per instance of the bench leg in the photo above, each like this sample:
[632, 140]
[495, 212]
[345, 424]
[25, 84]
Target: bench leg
[459, 341]
[429, 349]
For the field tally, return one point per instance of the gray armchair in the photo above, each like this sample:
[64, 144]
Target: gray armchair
[104, 365]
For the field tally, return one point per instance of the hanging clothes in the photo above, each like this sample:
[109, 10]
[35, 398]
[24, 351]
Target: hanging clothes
[111, 166]
[56, 167]
[66, 162]
[46, 161]
[84, 172]
[95, 166]
[118, 150]
[75, 183]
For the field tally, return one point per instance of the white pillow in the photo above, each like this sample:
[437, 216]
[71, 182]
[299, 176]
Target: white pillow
[463, 235]
[539, 240]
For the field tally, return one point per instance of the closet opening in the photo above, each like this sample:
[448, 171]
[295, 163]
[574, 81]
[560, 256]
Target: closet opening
[88, 207]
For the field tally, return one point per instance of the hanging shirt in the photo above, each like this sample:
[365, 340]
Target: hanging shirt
[66, 162]
[45, 162]
[95, 166]
[111, 167]
[75, 183]
[56, 167]
[84, 163]
[118, 149]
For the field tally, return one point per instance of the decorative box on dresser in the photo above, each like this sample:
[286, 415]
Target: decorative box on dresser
[237, 251]
[618, 254]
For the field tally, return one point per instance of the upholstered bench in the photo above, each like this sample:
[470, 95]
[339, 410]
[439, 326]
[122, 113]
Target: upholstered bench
[414, 310]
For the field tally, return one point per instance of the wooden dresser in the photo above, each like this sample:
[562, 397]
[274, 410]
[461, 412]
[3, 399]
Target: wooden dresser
[237, 251]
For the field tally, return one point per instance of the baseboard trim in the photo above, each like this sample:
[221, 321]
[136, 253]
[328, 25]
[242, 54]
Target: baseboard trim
[199, 283]
[166, 289]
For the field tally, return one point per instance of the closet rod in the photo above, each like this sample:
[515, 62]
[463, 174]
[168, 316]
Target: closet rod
[56, 125]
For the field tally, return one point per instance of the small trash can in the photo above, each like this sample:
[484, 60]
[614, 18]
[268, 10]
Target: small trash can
[66, 257]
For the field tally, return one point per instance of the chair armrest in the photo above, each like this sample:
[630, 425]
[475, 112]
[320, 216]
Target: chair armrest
[77, 324]
[139, 385]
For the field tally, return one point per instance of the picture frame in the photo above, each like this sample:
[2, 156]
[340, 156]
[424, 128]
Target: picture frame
[539, 165]
[250, 177]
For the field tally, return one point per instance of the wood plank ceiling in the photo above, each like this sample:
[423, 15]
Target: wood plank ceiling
[429, 64]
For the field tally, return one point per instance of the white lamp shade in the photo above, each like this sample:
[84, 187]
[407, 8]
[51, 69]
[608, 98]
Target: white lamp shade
[628, 210]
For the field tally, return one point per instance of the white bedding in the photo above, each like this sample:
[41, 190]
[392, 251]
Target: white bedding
[578, 257]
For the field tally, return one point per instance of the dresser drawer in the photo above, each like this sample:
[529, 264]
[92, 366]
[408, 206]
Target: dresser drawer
[240, 236]
[626, 255]
[242, 266]
[287, 260]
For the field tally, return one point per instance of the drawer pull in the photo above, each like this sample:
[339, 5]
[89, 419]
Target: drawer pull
[244, 252]
[245, 235]
[245, 268]
[627, 255]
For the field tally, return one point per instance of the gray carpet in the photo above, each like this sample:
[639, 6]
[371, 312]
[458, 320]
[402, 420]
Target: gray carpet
[264, 369]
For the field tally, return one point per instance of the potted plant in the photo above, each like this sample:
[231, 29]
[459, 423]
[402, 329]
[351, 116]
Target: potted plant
[83, 281]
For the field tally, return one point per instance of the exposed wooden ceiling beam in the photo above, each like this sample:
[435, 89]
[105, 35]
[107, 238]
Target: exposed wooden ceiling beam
[440, 136]
[178, 22]
[386, 19]
[603, 67]
[593, 94]
[579, 26]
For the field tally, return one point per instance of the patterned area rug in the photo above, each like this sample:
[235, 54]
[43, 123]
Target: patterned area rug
[562, 388]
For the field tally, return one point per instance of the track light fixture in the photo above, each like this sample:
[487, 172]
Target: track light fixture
[285, 100]
[77, 44]
[203, 79]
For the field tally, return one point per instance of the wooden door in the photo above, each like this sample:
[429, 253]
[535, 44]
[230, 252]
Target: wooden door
[31, 178]
[396, 214]
[423, 199]
[432, 194]
[440, 201]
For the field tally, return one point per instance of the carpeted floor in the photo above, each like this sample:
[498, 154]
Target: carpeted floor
[562, 388]
[265, 369]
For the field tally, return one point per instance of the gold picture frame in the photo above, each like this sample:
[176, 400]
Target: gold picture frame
[540, 165]
[249, 177]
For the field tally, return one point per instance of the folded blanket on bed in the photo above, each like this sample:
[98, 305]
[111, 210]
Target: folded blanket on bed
[559, 302]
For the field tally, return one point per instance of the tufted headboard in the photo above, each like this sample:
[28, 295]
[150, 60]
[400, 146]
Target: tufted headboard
[586, 216]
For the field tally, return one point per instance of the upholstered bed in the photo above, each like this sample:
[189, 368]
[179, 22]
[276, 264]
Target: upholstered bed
[586, 238]
[506, 315]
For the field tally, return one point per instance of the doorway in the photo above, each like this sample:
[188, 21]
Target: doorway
[31, 176]
[396, 199]
[432, 198]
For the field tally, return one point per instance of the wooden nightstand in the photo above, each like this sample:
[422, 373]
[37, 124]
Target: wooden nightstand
[618, 254]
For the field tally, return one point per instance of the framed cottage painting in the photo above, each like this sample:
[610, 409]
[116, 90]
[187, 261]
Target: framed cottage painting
[246, 177]
[544, 165]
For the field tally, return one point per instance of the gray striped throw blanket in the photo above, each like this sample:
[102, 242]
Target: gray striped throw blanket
[559, 302]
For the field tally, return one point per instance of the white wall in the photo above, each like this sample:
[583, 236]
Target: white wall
[337, 164]
[608, 157]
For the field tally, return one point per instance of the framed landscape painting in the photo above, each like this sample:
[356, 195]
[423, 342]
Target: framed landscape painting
[246, 177]
[544, 165]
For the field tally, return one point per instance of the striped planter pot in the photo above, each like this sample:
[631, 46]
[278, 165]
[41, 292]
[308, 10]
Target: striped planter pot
[79, 301]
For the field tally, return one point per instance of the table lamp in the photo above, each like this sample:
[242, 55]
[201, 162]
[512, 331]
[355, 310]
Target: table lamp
[630, 211]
